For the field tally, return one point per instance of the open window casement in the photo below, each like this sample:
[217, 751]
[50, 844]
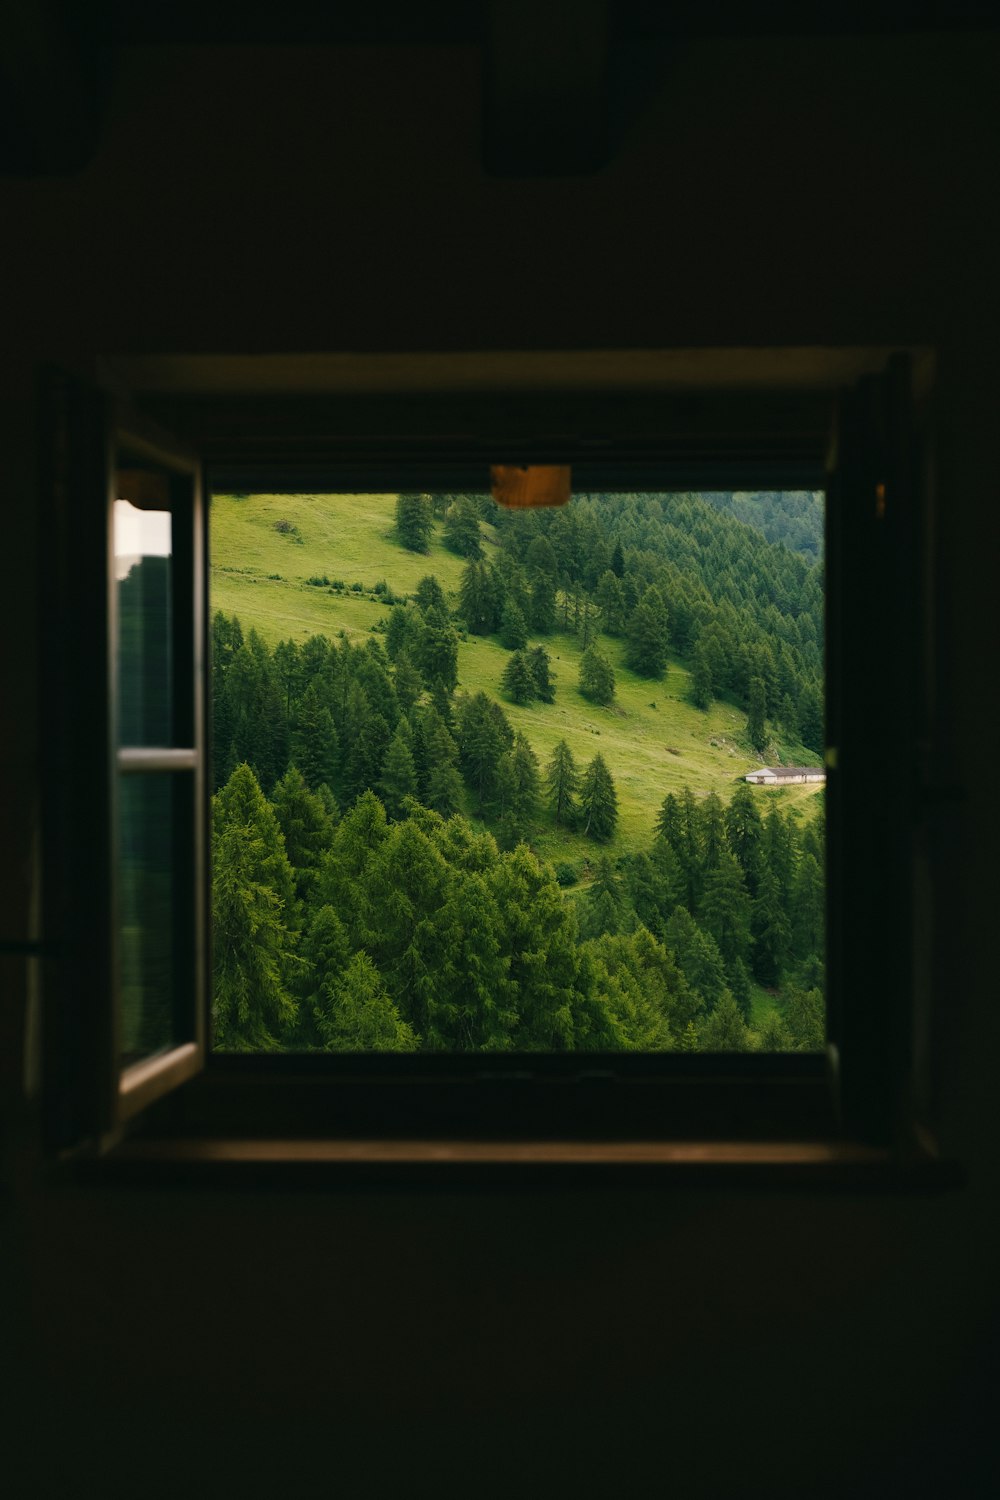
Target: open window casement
[125, 780]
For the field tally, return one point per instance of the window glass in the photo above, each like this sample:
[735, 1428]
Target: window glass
[543, 781]
[143, 570]
[147, 913]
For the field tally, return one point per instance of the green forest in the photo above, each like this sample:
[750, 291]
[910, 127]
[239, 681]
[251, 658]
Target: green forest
[479, 774]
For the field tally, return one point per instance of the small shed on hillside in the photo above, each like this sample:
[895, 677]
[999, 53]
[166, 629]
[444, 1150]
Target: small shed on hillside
[785, 775]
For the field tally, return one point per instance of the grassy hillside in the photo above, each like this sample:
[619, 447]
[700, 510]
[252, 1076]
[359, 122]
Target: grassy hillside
[652, 739]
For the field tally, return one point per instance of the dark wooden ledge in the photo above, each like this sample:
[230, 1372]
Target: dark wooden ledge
[286, 1161]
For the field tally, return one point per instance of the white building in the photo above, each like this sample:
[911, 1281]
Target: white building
[785, 775]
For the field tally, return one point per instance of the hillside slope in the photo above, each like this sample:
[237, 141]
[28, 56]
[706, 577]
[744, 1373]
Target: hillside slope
[265, 548]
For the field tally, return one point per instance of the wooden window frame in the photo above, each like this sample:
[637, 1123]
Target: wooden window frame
[860, 1099]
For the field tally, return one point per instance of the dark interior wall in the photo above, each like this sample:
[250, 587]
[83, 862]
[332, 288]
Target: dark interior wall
[288, 200]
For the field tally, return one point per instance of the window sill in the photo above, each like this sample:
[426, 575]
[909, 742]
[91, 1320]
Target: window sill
[363, 1161]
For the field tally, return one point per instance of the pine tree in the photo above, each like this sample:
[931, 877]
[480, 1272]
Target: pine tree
[414, 522]
[725, 1029]
[436, 651]
[355, 1013]
[701, 678]
[808, 909]
[542, 604]
[513, 630]
[603, 905]
[252, 900]
[563, 783]
[745, 835]
[306, 828]
[805, 1020]
[689, 1041]
[479, 598]
[811, 717]
[598, 800]
[725, 909]
[484, 734]
[771, 931]
[541, 671]
[517, 791]
[408, 682]
[518, 681]
[669, 820]
[314, 739]
[610, 600]
[618, 561]
[648, 636]
[461, 528]
[773, 1034]
[697, 956]
[443, 793]
[597, 678]
[399, 778]
[756, 727]
[430, 595]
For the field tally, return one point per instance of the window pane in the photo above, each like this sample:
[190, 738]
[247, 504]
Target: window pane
[143, 569]
[148, 913]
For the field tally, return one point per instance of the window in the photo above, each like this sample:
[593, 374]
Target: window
[701, 440]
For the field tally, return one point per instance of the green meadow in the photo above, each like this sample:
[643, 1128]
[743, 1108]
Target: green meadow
[652, 738]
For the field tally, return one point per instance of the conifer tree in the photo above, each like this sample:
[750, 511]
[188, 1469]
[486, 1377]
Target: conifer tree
[484, 734]
[773, 1034]
[517, 791]
[669, 821]
[444, 784]
[712, 832]
[414, 522]
[513, 630]
[701, 678]
[610, 600]
[725, 909]
[597, 678]
[399, 778]
[461, 528]
[407, 681]
[598, 800]
[771, 931]
[725, 1029]
[518, 681]
[541, 671]
[808, 910]
[756, 727]
[542, 603]
[314, 739]
[603, 905]
[401, 630]
[805, 1020]
[479, 598]
[355, 1013]
[252, 899]
[430, 595]
[563, 782]
[648, 636]
[618, 561]
[697, 956]
[689, 1041]
[745, 835]
[305, 825]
